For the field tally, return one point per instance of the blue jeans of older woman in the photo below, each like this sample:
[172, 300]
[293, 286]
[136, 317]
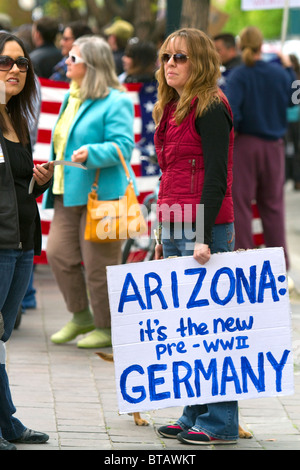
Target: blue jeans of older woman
[15, 272]
[218, 420]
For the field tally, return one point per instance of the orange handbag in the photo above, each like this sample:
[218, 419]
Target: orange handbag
[118, 219]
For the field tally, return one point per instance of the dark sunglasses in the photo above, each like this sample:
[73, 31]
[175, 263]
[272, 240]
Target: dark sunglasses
[7, 63]
[178, 58]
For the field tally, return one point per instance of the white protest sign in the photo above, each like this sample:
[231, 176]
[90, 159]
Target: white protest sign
[185, 333]
[268, 4]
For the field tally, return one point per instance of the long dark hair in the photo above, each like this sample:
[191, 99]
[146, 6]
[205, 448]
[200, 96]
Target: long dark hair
[21, 107]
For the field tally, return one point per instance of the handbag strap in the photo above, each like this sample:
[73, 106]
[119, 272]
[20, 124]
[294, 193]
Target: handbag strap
[122, 159]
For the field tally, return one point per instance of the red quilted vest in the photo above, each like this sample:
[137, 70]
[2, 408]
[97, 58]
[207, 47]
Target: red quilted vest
[180, 158]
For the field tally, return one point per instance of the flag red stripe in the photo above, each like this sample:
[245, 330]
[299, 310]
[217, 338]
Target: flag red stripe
[45, 224]
[137, 111]
[51, 107]
[42, 259]
[53, 84]
[137, 170]
[44, 136]
[258, 239]
[134, 86]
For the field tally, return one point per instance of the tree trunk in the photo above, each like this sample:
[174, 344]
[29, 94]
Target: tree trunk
[111, 9]
[99, 14]
[195, 14]
[122, 9]
[144, 24]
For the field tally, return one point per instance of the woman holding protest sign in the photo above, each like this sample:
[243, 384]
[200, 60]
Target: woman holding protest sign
[194, 144]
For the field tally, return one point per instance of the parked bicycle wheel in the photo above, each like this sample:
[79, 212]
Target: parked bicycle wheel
[142, 249]
[138, 249]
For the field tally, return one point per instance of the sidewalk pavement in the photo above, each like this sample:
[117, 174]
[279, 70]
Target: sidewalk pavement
[70, 393]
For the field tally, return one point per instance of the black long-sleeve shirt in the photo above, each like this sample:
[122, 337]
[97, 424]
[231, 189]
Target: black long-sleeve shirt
[21, 166]
[214, 128]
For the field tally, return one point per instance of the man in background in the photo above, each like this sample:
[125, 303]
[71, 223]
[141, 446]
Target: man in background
[226, 46]
[45, 55]
[117, 36]
[71, 32]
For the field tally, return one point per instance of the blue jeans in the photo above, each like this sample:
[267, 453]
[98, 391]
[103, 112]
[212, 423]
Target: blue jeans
[29, 298]
[15, 272]
[218, 420]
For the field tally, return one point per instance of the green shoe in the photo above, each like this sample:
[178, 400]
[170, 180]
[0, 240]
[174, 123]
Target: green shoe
[99, 338]
[69, 332]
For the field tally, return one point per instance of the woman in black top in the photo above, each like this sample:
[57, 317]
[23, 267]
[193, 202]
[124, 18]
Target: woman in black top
[20, 231]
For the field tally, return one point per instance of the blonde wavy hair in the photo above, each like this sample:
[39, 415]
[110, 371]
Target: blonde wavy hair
[202, 83]
[251, 40]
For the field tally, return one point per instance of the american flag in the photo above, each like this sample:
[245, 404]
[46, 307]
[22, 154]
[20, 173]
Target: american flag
[143, 97]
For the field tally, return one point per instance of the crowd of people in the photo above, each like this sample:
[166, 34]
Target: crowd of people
[219, 97]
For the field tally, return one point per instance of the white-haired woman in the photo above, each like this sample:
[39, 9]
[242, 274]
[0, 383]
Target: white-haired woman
[95, 115]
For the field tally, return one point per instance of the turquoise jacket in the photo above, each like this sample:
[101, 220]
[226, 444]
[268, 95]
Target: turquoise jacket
[97, 124]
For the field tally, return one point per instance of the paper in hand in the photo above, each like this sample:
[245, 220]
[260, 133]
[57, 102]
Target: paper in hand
[56, 162]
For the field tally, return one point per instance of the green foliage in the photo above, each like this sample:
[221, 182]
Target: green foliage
[154, 6]
[56, 7]
[268, 21]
